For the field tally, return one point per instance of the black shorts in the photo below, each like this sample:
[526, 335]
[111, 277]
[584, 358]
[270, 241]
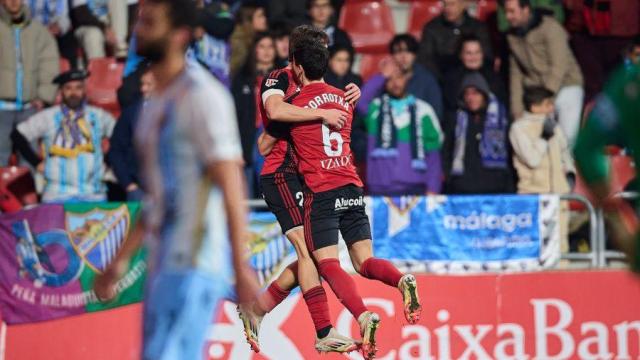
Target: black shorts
[328, 212]
[282, 191]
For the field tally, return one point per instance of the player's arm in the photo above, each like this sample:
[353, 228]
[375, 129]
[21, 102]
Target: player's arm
[279, 110]
[104, 284]
[266, 143]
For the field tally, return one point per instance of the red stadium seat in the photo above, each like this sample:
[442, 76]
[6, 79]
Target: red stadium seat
[104, 80]
[17, 188]
[485, 8]
[369, 23]
[64, 65]
[421, 13]
[370, 65]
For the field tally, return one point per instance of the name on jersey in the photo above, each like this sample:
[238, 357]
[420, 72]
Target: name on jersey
[336, 162]
[345, 203]
[327, 98]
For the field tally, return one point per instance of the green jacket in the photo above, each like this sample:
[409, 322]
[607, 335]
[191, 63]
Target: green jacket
[40, 59]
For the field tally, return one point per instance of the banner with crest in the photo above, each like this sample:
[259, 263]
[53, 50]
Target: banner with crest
[49, 256]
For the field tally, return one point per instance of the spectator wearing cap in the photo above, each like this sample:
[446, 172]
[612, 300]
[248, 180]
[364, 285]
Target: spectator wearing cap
[476, 150]
[54, 14]
[440, 37]
[339, 74]
[28, 62]
[72, 135]
[422, 83]
[121, 151]
[540, 57]
[321, 15]
[404, 141]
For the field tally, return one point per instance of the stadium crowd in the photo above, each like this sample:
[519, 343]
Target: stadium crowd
[476, 104]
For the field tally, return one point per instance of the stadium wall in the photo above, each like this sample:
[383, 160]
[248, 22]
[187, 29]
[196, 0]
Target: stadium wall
[548, 315]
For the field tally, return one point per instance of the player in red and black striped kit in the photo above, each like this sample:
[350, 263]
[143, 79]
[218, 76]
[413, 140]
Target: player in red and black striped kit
[283, 191]
[334, 200]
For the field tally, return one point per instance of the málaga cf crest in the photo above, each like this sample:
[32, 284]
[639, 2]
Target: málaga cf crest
[96, 236]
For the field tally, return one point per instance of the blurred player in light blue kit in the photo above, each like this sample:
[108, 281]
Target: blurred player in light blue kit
[194, 214]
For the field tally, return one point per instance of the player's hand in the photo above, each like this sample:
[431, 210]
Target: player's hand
[104, 284]
[335, 118]
[352, 94]
[247, 287]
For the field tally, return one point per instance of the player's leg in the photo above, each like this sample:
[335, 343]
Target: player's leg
[321, 232]
[356, 232]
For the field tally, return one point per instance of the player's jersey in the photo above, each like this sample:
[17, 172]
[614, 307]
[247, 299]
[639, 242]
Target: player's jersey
[183, 130]
[324, 155]
[281, 158]
[613, 121]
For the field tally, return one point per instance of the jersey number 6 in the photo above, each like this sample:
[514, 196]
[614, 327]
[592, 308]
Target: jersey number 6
[328, 137]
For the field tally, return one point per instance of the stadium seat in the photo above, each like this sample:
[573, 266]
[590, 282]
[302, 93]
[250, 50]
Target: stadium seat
[64, 65]
[369, 23]
[104, 80]
[486, 8]
[370, 65]
[17, 188]
[421, 12]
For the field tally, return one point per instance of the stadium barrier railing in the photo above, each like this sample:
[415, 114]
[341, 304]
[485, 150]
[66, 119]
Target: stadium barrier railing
[605, 255]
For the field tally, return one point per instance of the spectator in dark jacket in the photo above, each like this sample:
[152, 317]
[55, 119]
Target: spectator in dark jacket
[291, 12]
[246, 94]
[321, 15]
[121, 154]
[339, 74]
[472, 59]
[441, 36]
[476, 151]
[422, 83]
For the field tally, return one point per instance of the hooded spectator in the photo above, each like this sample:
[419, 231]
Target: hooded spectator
[440, 36]
[476, 151]
[25, 80]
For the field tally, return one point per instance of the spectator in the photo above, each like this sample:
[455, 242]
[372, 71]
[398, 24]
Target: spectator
[72, 134]
[441, 36]
[210, 45]
[246, 94]
[290, 12]
[98, 23]
[476, 149]
[422, 83]
[249, 21]
[552, 7]
[540, 56]
[472, 59]
[339, 74]
[280, 33]
[404, 140]
[542, 156]
[121, 153]
[321, 15]
[54, 14]
[25, 80]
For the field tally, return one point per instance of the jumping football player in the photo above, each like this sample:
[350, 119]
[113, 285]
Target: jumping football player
[283, 191]
[334, 199]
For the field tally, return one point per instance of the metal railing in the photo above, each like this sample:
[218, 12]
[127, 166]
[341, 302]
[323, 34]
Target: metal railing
[604, 254]
[593, 255]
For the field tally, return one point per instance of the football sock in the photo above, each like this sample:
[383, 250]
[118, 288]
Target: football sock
[342, 285]
[381, 270]
[316, 299]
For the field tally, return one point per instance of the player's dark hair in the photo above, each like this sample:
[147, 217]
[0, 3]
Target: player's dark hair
[404, 39]
[306, 32]
[313, 57]
[535, 95]
[181, 13]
